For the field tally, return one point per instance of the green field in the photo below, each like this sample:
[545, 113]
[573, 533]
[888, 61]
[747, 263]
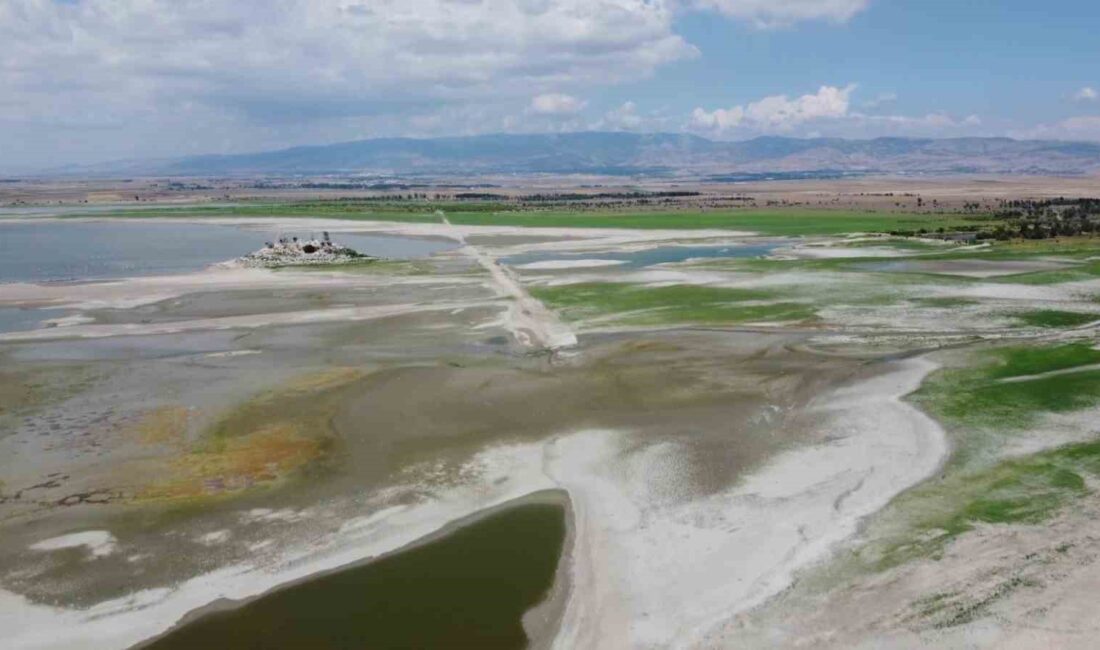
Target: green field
[1025, 361]
[640, 305]
[1028, 490]
[982, 410]
[1054, 318]
[975, 400]
[779, 221]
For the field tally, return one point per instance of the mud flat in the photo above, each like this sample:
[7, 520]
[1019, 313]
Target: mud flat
[663, 524]
[653, 574]
[721, 429]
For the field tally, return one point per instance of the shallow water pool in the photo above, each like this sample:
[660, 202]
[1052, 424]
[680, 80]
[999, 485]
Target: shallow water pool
[647, 257]
[468, 589]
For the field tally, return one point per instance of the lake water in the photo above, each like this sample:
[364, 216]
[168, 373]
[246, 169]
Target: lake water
[647, 257]
[469, 589]
[14, 319]
[45, 251]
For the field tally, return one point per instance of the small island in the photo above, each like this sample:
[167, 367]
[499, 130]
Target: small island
[292, 251]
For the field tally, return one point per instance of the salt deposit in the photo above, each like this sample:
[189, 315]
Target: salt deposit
[99, 543]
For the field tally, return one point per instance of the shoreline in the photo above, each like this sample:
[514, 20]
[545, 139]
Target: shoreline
[613, 569]
[547, 609]
[695, 590]
[639, 567]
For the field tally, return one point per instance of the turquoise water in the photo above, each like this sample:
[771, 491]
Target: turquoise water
[50, 251]
[648, 257]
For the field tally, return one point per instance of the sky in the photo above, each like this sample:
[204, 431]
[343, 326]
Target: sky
[86, 81]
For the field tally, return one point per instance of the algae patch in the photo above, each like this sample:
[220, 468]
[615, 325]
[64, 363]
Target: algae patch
[1053, 318]
[641, 305]
[982, 409]
[1004, 393]
[1027, 491]
[274, 437]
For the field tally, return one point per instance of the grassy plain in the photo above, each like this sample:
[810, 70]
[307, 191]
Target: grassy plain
[1005, 393]
[1053, 318]
[776, 221]
[1026, 490]
[640, 305]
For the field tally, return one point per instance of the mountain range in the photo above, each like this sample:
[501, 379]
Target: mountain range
[617, 153]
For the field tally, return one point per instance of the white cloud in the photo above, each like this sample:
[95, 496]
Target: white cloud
[773, 13]
[556, 104]
[777, 113]
[827, 112]
[1086, 127]
[251, 73]
[1082, 127]
[624, 117]
[920, 122]
[882, 99]
[1086, 94]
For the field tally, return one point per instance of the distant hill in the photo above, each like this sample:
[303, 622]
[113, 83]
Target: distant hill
[645, 154]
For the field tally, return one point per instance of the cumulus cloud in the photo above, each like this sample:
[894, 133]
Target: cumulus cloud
[331, 50]
[828, 111]
[1086, 94]
[1081, 127]
[773, 13]
[1086, 127]
[777, 113]
[624, 117]
[215, 71]
[882, 99]
[916, 123]
[556, 104]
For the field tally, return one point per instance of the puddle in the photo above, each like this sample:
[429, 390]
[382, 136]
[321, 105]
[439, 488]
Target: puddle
[967, 268]
[18, 319]
[642, 258]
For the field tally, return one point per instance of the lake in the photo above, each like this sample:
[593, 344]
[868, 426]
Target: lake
[468, 589]
[51, 251]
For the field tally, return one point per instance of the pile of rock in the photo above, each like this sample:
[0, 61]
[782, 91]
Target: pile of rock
[300, 252]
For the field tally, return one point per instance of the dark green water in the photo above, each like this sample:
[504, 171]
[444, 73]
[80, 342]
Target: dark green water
[466, 590]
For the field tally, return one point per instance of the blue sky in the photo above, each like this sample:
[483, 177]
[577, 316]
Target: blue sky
[91, 80]
[1014, 63]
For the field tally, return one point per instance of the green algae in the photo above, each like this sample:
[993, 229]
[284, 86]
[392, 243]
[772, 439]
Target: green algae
[1025, 361]
[1054, 318]
[945, 302]
[1001, 394]
[976, 402]
[1027, 490]
[642, 305]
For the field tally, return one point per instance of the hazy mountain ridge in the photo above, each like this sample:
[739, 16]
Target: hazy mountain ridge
[648, 154]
